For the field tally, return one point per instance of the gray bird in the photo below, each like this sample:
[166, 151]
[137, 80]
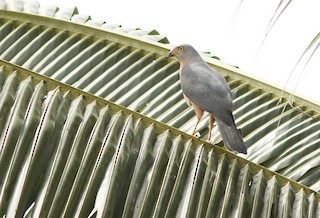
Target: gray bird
[206, 90]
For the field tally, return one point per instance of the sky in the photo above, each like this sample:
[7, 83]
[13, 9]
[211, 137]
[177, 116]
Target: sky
[232, 33]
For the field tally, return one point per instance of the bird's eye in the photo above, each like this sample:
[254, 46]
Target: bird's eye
[180, 48]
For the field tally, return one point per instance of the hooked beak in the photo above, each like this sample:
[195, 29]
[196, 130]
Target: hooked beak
[172, 53]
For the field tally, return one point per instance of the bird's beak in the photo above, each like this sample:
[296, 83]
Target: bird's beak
[172, 53]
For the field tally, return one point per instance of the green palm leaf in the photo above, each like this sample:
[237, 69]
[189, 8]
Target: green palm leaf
[65, 152]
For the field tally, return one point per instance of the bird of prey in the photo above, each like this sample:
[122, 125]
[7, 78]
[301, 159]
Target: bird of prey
[206, 90]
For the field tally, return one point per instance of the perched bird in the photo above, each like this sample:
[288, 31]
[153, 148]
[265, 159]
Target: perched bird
[206, 90]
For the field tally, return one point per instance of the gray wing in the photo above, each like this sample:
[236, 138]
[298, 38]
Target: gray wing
[208, 89]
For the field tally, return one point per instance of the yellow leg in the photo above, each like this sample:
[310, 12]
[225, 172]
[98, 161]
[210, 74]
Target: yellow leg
[199, 113]
[210, 126]
[195, 127]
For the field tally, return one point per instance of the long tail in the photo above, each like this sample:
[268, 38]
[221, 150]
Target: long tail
[231, 137]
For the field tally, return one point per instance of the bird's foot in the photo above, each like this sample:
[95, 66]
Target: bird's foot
[209, 138]
[197, 134]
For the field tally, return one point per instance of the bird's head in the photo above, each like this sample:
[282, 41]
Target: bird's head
[183, 52]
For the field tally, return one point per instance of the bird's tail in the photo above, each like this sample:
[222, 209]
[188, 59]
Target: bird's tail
[231, 137]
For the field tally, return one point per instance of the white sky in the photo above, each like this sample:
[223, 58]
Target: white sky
[212, 25]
